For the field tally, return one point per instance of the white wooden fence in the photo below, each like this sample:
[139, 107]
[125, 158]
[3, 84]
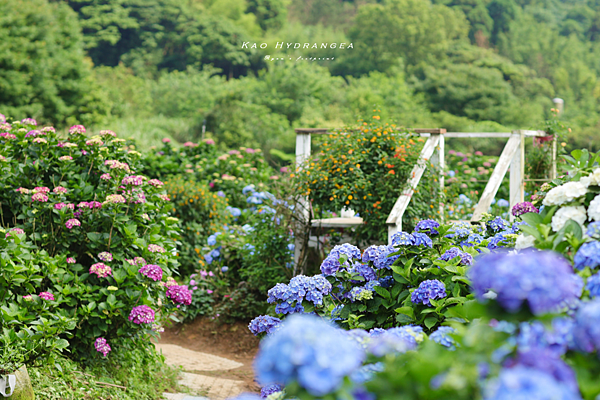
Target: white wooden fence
[513, 156]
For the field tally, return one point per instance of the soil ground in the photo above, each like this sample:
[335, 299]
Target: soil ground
[232, 341]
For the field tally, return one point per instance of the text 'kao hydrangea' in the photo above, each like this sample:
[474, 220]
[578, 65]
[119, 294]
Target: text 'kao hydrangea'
[309, 351]
[102, 346]
[141, 315]
[588, 255]
[264, 323]
[180, 294]
[429, 289]
[545, 280]
[101, 269]
[152, 271]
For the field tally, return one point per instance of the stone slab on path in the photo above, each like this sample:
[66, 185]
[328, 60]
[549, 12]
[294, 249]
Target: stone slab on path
[194, 360]
[218, 388]
[182, 396]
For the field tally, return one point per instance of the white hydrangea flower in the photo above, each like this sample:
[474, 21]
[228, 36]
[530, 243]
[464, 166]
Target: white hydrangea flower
[595, 177]
[563, 215]
[574, 190]
[586, 181]
[524, 242]
[555, 197]
[594, 209]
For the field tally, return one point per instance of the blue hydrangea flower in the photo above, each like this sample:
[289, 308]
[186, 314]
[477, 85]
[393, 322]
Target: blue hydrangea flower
[216, 253]
[263, 323]
[309, 351]
[291, 247]
[515, 227]
[395, 340]
[543, 279]
[208, 258]
[386, 281]
[366, 372]
[586, 330]
[359, 293]
[593, 285]
[336, 312]
[268, 390]
[497, 224]
[465, 258]
[593, 229]
[421, 239]
[429, 289]
[472, 239]
[427, 226]
[535, 336]
[460, 229]
[497, 241]
[402, 239]
[248, 189]
[371, 285]
[588, 255]
[385, 259]
[523, 383]
[502, 203]
[363, 270]
[289, 297]
[212, 239]
[371, 253]
[331, 264]
[543, 359]
[440, 336]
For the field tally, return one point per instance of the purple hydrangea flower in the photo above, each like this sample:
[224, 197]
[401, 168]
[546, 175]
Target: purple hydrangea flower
[395, 340]
[105, 256]
[101, 269]
[263, 323]
[429, 289]
[46, 296]
[154, 248]
[523, 382]
[102, 346]
[593, 285]
[152, 271]
[70, 224]
[593, 229]
[29, 121]
[70, 260]
[497, 224]
[588, 255]
[385, 259]
[545, 280]
[141, 315]
[421, 239]
[309, 351]
[331, 264]
[266, 391]
[427, 226]
[180, 294]
[402, 239]
[586, 330]
[524, 208]
[366, 272]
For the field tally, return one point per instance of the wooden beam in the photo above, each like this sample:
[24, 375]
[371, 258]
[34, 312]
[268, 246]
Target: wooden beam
[512, 145]
[326, 131]
[517, 175]
[477, 134]
[302, 208]
[395, 216]
[336, 222]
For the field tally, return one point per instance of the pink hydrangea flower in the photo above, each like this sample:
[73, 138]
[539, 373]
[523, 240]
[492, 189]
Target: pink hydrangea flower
[115, 199]
[164, 197]
[40, 140]
[102, 346]
[28, 297]
[70, 224]
[141, 315]
[152, 271]
[105, 177]
[48, 129]
[29, 121]
[166, 140]
[59, 206]
[33, 133]
[154, 248]
[94, 142]
[283, 170]
[101, 269]
[77, 129]
[41, 189]
[180, 294]
[16, 231]
[71, 206]
[209, 141]
[155, 182]
[41, 197]
[70, 260]
[108, 133]
[105, 256]
[46, 296]
[94, 204]
[65, 158]
[134, 180]
[8, 135]
[170, 282]
[22, 190]
[250, 151]
[59, 190]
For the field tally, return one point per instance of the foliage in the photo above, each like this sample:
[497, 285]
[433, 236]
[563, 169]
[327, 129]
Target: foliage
[366, 169]
[138, 367]
[42, 66]
[88, 255]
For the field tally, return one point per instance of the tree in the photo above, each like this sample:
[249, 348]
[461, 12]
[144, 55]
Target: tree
[43, 73]
[271, 14]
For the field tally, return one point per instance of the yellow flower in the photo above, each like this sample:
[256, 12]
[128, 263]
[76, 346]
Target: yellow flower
[350, 197]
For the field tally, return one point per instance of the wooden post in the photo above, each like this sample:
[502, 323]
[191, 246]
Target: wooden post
[302, 207]
[554, 147]
[517, 174]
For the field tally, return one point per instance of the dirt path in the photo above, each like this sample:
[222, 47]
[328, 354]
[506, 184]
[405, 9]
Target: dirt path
[217, 358]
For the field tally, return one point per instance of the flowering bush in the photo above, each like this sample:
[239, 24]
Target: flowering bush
[81, 204]
[366, 169]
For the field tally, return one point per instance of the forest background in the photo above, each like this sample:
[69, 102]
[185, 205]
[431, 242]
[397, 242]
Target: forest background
[150, 69]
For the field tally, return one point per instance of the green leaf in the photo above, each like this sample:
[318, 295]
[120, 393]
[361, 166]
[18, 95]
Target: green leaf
[382, 292]
[430, 322]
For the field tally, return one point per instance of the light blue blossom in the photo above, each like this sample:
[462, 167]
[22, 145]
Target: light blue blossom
[440, 336]
[588, 255]
[429, 289]
[402, 239]
[593, 285]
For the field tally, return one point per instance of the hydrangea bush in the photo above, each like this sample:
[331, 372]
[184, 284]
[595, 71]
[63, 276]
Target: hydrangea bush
[82, 202]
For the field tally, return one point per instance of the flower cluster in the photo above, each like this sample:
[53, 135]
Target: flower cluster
[41, 197]
[155, 182]
[465, 258]
[588, 255]
[152, 271]
[544, 280]
[102, 346]
[289, 297]
[71, 223]
[593, 285]
[141, 315]
[268, 390]
[310, 351]
[564, 194]
[154, 248]
[59, 190]
[65, 158]
[134, 180]
[15, 231]
[395, 340]
[523, 382]
[331, 264]
[427, 226]
[101, 269]
[440, 336]
[180, 294]
[114, 199]
[264, 323]
[380, 256]
[105, 256]
[497, 224]
[524, 208]
[46, 296]
[427, 290]
[564, 214]
[77, 130]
